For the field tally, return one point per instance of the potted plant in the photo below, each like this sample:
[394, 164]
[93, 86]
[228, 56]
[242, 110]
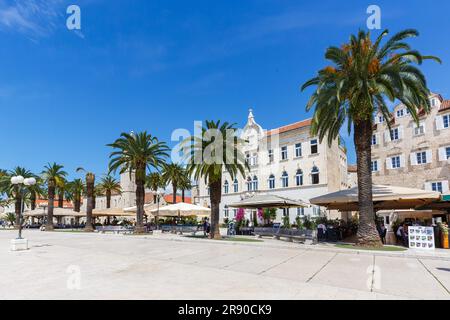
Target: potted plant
[444, 235]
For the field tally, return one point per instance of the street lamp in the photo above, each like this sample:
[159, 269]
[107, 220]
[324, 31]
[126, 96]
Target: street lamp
[159, 193]
[20, 182]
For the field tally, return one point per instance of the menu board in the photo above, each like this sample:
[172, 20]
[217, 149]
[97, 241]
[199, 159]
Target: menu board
[421, 238]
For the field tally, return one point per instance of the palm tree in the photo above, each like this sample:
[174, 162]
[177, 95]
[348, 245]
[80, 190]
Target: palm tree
[52, 175]
[174, 174]
[109, 185]
[207, 157]
[90, 189]
[153, 182]
[364, 75]
[36, 191]
[61, 187]
[185, 184]
[77, 190]
[13, 191]
[135, 153]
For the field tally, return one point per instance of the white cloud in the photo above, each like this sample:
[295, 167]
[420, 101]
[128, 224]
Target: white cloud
[33, 18]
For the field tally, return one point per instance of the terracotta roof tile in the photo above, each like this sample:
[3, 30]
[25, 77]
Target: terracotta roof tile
[445, 105]
[169, 199]
[352, 168]
[289, 127]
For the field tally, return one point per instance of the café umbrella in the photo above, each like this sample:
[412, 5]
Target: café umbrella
[384, 197]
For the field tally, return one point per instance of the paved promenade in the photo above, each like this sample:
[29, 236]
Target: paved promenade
[63, 265]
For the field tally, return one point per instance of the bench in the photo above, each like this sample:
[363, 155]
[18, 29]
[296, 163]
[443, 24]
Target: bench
[114, 229]
[181, 229]
[265, 232]
[302, 236]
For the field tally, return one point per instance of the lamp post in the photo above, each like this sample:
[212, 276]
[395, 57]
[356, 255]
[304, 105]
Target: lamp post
[159, 193]
[21, 183]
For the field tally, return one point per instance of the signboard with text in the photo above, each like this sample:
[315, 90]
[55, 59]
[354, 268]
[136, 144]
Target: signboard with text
[421, 238]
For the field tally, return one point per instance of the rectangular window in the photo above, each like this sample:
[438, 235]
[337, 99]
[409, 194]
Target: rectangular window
[380, 119]
[300, 212]
[225, 213]
[446, 120]
[284, 153]
[299, 179]
[314, 146]
[374, 166]
[394, 134]
[285, 181]
[270, 155]
[235, 187]
[395, 161]
[447, 152]
[285, 212]
[421, 157]
[400, 113]
[374, 139]
[298, 150]
[272, 183]
[419, 130]
[436, 186]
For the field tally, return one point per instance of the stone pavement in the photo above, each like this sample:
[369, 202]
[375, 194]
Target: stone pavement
[62, 265]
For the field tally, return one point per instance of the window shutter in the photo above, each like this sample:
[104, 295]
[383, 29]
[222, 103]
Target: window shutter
[377, 135]
[388, 163]
[387, 136]
[439, 123]
[402, 161]
[400, 132]
[442, 154]
[429, 156]
[428, 186]
[413, 159]
[424, 125]
[445, 186]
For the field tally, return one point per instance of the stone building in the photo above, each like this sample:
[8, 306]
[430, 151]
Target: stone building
[286, 161]
[412, 155]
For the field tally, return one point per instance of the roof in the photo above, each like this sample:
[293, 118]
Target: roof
[352, 168]
[289, 127]
[169, 199]
[445, 105]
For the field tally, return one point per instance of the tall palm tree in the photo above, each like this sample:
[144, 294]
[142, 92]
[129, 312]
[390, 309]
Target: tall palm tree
[207, 157]
[185, 185]
[90, 189]
[135, 153]
[36, 191]
[52, 175]
[61, 188]
[364, 75]
[174, 174]
[13, 191]
[77, 190]
[109, 185]
[154, 181]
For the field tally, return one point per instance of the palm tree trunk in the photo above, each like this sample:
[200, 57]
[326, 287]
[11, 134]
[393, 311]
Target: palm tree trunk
[90, 182]
[215, 197]
[77, 203]
[33, 200]
[182, 195]
[174, 196]
[61, 199]
[51, 205]
[367, 232]
[140, 195]
[108, 199]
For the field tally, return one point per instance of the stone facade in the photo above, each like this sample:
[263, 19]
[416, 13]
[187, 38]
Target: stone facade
[288, 162]
[410, 155]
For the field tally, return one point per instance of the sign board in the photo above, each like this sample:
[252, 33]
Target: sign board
[421, 238]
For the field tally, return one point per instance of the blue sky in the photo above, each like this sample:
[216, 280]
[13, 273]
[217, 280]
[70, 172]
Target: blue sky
[160, 65]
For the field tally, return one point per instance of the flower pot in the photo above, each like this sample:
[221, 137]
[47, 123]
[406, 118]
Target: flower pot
[444, 241]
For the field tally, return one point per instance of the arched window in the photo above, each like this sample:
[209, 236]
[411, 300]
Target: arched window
[249, 184]
[255, 183]
[315, 175]
[235, 186]
[299, 177]
[225, 187]
[285, 180]
[272, 182]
